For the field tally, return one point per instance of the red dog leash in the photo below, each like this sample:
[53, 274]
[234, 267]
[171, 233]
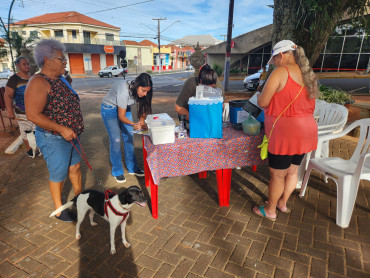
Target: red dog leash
[84, 157]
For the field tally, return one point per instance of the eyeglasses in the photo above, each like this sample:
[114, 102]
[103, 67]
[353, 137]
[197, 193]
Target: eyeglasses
[63, 59]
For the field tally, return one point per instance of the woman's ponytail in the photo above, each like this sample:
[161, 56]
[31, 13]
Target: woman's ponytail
[309, 77]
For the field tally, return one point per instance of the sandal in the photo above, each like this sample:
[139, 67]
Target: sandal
[261, 209]
[287, 211]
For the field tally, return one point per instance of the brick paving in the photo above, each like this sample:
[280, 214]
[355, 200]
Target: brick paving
[193, 236]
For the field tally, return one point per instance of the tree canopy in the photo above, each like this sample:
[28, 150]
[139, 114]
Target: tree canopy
[309, 23]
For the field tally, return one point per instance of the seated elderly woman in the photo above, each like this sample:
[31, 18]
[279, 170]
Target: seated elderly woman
[14, 99]
[54, 107]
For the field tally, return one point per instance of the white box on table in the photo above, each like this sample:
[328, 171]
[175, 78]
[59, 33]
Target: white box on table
[161, 128]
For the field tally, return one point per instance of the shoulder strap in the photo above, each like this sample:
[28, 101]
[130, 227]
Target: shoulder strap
[285, 110]
[68, 85]
[287, 70]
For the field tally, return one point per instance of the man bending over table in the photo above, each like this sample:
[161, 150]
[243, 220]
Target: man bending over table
[206, 76]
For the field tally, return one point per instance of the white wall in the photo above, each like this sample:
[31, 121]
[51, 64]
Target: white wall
[87, 62]
[103, 61]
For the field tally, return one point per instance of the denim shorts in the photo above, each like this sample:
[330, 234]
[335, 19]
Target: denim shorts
[58, 153]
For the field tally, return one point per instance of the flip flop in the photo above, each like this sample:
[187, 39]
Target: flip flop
[287, 211]
[263, 213]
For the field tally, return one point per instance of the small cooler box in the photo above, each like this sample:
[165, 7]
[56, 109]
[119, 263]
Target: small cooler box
[161, 128]
[237, 114]
[205, 117]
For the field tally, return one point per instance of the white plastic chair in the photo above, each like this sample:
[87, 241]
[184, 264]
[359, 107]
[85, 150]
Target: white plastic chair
[225, 112]
[346, 173]
[331, 118]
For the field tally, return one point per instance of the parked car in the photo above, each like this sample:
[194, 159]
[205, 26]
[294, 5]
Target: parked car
[110, 71]
[189, 67]
[6, 73]
[251, 82]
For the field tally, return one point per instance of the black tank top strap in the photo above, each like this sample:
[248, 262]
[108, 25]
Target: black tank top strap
[46, 77]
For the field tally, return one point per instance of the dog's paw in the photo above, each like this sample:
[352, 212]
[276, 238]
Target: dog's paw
[126, 244]
[93, 224]
[78, 236]
[113, 251]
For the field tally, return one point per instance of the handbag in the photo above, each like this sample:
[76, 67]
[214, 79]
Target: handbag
[265, 141]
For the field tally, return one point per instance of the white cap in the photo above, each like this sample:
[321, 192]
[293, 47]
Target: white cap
[282, 46]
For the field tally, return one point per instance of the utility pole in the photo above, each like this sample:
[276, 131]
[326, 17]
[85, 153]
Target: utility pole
[224, 36]
[228, 46]
[159, 41]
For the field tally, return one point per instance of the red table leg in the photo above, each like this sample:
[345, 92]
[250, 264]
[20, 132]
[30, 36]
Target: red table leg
[149, 182]
[154, 197]
[226, 177]
[223, 177]
[153, 191]
[220, 190]
[202, 175]
[254, 168]
[146, 167]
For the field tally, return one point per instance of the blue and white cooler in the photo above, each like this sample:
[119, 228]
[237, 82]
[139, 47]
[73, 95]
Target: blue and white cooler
[205, 117]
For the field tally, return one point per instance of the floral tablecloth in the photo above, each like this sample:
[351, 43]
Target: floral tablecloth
[193, 155]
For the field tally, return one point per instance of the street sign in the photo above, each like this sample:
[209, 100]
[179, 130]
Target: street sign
[108, 49]
[123, 63]
[122, 54]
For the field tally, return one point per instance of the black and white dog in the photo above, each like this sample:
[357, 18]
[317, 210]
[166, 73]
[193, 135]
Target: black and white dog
[113, 208]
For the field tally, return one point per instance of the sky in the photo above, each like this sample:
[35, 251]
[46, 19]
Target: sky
[135, 17]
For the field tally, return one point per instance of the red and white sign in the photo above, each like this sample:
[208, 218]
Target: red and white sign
[108, 49]
[232, 44]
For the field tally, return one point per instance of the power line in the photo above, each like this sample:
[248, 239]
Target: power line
[119, 7]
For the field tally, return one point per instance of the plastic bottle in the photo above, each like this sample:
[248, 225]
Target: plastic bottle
[182, 130]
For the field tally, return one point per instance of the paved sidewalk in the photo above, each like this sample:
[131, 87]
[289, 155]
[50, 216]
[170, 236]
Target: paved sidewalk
[193, 236]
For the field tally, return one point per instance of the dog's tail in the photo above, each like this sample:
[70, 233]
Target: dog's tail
[65, 206]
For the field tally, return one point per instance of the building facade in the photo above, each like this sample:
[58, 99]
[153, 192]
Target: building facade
[347, 49]
[180, 56]
[139, 57]
[90, 44]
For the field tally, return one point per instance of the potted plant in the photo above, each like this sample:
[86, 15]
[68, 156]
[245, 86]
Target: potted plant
[332, 95]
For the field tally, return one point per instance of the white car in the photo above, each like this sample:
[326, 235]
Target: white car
[251, 82]
[6, 73]
[110, 71]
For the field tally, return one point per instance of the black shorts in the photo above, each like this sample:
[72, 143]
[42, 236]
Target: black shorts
[283, 162]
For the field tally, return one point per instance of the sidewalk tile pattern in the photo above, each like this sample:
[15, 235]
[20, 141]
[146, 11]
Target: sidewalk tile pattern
[193, 236]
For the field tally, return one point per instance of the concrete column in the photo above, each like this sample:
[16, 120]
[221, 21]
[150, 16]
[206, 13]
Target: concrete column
[65, 35]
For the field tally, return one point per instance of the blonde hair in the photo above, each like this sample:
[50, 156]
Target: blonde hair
[309, 78]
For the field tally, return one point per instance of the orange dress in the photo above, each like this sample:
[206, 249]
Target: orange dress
[295, 132]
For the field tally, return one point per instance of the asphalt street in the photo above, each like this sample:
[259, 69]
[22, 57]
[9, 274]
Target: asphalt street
[172, 83]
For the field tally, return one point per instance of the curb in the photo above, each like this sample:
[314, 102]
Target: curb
[133, 74]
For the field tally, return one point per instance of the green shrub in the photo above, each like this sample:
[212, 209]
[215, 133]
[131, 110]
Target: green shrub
[234, 71]
[332, 95]
[218, 69]
[149, 71]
